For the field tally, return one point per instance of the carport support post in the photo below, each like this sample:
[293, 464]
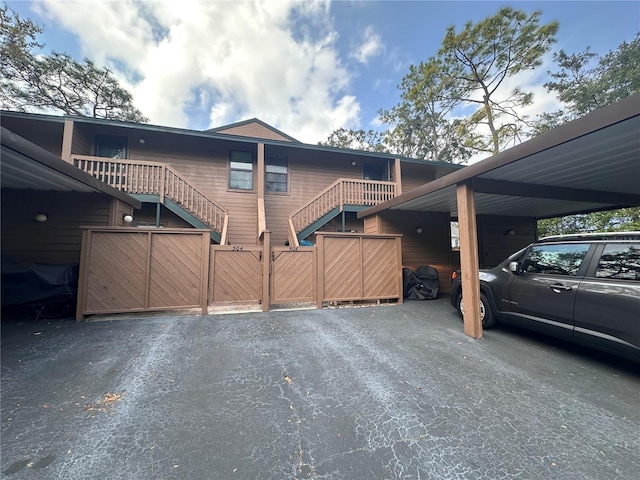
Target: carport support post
[469, 260]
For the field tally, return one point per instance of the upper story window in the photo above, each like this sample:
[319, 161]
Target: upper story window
[240, 170]
[277, 174]
[111, 146]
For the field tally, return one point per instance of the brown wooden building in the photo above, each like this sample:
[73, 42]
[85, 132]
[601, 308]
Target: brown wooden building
[239, 182]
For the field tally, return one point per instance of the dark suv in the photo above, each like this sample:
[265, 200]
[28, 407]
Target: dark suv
[584, 288]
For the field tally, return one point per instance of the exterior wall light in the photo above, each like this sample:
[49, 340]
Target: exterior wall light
[142, 141]
[510, 232]
[41, 217]
[419, 230]
[353, 162]
[127, 218]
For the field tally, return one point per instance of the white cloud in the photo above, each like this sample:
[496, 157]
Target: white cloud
[223, 61]
[370, 47]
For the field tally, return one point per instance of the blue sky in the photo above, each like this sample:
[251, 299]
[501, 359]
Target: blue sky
[306, 68]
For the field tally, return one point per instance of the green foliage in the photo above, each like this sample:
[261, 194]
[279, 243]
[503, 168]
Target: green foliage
[469, 70]
[625, 219]
[367, 140]
[585, 82]
[480, 58]
[421, 127]
[55, 82]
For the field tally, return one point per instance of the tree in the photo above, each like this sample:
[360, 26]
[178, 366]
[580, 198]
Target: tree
[585, 82]
[55, 82]
[421, 127]
[368, 140]
[480, 58]
[470, 70]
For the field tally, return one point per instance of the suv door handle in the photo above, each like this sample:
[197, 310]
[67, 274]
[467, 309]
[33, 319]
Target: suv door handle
[558, 287]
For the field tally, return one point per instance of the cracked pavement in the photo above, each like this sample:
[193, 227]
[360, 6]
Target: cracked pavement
[382, 392]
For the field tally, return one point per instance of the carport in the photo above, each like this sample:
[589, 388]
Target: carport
[588, 165]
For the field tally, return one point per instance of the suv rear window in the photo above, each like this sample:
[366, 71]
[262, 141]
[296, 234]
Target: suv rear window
[554, 259]
[621, 261]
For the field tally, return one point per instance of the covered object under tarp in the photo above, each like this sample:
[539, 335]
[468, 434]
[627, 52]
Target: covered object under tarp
[423, 284]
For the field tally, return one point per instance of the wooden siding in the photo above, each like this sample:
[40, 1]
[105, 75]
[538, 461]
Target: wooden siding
[146, 216]
[59, 239]
[130, 270]
[359, 267]
[431, 247]
[47, 135]
[310, 173]
[293, 277]
[415, 175]
[494, 241]
[254, 130]
[235, 275]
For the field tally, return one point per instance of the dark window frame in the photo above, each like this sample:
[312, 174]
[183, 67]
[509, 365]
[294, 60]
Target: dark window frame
[233, 184]
[276, 161]
[101, 139]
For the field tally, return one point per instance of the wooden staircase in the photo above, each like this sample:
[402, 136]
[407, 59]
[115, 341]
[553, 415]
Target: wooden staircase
[159, 183]
[345, 194]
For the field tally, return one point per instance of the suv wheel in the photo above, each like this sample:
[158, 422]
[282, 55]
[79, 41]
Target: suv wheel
[488, 319]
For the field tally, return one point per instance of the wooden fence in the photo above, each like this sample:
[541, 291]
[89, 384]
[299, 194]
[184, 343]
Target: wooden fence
[358, 267]
[135, 269]
[126, 269]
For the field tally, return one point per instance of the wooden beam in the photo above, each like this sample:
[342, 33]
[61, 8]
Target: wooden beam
[67, 141]
[261, 170]
[469, 260]
[266, 270]
[398, 176]
[518, 189]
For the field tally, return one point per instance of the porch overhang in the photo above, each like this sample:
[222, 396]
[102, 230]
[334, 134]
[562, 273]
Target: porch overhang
[590, 164]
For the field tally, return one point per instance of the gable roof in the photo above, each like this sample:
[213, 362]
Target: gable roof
[254, 128]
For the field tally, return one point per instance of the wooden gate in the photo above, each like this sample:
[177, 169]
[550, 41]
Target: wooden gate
[293, 275]
[135, 269]
[359, 267]
[235, 275]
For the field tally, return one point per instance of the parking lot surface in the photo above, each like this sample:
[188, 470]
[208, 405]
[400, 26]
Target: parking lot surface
[382, 392]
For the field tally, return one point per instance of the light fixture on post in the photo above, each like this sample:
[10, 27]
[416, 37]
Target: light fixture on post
[41, 217]
[419, 230]
[127, 218]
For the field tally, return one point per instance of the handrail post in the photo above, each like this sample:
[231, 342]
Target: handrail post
[163, 170]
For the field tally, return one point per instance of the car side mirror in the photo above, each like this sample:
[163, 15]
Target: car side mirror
[514, 267]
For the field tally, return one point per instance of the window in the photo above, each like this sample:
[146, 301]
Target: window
[277, 173]
[110, 146]
[621, 261]
[555, 259]
[241, 170]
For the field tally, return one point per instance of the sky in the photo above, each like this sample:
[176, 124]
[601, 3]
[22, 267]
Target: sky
[306, 68]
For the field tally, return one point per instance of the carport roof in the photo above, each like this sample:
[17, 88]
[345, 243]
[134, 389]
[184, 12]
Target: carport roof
[28, 166]
[590, 164]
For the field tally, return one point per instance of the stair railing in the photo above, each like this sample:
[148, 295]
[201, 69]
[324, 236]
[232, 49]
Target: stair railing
[151, 178]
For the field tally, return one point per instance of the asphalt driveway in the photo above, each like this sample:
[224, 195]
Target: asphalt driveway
[384, 392]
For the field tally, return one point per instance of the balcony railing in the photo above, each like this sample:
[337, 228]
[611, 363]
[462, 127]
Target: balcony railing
[151, 178]
[343, 192]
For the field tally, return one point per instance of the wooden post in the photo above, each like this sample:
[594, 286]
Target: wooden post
[398, 175]
[266, 270]
[204, 272]
[469, 260]
[67, 141]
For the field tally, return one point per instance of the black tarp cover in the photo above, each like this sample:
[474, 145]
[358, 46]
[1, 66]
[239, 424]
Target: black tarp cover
[423, 284]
